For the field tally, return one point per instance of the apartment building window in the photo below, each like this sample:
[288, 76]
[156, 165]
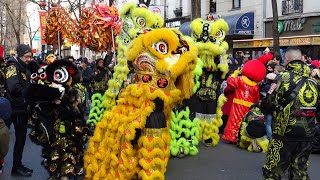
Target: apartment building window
[292, 6]
[213, 6]
[236, 4]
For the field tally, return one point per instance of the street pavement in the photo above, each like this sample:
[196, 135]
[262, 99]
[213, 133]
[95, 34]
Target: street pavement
[223, 162]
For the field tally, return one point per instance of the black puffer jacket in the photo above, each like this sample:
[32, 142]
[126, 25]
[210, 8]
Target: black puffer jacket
[16, 83]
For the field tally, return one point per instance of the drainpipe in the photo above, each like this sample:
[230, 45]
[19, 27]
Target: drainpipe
[264, 17]
[165, 12]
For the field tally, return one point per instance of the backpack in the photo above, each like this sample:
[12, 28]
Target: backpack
[303, 100]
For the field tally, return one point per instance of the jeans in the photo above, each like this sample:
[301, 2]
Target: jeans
[268, 118]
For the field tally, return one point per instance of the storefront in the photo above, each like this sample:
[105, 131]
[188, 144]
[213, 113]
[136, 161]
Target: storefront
[241, 26]
[309, 44]
[303, 32]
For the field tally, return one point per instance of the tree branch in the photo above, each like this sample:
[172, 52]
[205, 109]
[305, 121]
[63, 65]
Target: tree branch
[72, 8]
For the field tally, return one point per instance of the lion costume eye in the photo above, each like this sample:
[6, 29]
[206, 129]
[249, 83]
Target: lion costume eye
[161, 47]
[141, 21]
[61, 75]
[219, 34]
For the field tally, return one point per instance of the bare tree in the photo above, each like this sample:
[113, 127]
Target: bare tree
[15, 10]
[276, 44]
[31, 34]
[195, 9]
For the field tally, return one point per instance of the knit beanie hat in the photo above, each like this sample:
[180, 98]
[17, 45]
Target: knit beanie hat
[23, 49]
[254, 70]
[5, 108]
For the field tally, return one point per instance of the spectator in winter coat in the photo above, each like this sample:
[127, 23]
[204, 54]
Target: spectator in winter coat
[5, 113]
[16, 83]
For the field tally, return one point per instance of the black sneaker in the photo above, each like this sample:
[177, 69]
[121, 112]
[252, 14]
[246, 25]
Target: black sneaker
[26, 169]
[20, 171]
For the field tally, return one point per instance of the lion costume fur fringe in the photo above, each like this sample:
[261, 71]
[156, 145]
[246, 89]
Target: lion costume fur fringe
[110, 154]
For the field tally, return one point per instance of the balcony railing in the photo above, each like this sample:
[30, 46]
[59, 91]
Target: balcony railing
[292, 6]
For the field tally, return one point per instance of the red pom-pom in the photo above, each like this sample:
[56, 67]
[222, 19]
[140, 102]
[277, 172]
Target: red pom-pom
[254, 70]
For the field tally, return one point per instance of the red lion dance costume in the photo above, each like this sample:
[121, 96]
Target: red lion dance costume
[246, 94]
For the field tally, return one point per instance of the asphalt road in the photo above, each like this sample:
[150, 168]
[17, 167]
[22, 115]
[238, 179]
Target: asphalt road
[223, 162]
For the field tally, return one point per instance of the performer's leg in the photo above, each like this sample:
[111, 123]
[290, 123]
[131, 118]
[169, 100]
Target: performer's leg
[278, 159]
[299, 165]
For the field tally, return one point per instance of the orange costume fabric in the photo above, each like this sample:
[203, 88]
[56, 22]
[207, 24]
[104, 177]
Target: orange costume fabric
[247, 93]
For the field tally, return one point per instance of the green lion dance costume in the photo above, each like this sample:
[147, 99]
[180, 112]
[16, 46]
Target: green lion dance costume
[132, 140]
[207, 101]
[252, 135]
[184, 129]
[136, 20]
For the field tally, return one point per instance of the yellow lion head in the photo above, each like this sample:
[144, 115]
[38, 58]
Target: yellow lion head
[137, 20]
[209, 37]
[165, 53]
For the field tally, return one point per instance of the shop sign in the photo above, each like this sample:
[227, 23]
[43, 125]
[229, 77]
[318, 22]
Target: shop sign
[294, 41]
[262, 43]
[245, 44]
[173, 24]
[316, 26]
[315, 40]
[157, 9]
[291, 25]
[245, 24]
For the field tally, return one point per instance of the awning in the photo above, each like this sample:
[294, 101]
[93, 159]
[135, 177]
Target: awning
[240, 24]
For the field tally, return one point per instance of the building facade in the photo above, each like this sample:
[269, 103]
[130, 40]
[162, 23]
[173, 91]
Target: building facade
[298, 25]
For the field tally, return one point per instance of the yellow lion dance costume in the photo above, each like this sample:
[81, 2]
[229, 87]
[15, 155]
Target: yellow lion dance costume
[136, 20]
[132, 140]
[209, 39]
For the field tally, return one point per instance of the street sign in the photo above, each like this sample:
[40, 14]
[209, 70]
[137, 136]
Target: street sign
[36, 38]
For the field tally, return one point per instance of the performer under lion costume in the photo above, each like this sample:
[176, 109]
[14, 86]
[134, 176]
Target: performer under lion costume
[132, 140]
[207, 103]
[59, 111]
[252, 135]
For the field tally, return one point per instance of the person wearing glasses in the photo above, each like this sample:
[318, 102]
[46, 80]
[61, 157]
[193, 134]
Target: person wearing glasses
[16, 83]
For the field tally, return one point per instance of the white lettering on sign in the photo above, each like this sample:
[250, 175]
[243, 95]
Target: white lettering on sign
[173, 24]
[293, 25]
[244, 32]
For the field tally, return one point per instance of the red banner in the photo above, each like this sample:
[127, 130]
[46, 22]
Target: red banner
[1, 51]
[43, 23]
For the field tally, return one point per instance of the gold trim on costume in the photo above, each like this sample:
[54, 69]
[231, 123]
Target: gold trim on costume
[248, 81]
[153, 132]
[242, 102]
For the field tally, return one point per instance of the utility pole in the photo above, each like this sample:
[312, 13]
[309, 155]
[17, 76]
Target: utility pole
[276, 44]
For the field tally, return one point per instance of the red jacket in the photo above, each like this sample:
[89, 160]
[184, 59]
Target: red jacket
[229, 92]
